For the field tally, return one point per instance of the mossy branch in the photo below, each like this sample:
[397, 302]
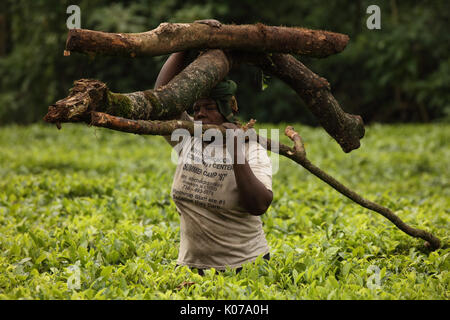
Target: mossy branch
[166, 102]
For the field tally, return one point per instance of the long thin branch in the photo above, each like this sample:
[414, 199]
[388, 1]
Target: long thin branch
[296, 154]
[173, 37]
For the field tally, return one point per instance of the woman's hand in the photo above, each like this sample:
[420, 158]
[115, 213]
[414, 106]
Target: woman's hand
[234, 131]
[236, 149]
[229, 125]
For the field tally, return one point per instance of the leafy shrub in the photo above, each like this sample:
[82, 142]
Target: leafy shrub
[85, 213]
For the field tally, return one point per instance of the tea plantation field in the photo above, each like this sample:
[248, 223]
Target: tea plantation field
[85, 213]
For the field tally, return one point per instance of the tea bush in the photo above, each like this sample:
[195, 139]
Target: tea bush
[85, 213]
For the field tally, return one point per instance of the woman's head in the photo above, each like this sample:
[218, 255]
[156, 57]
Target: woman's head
[220, 106]
[206, 111]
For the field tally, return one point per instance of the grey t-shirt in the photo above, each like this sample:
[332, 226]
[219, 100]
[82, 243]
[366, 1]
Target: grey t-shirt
[215, 230]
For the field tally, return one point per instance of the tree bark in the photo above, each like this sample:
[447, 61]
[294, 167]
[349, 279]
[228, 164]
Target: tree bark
[173, 37]
[194, 81]
[297, 154]
[315, 91]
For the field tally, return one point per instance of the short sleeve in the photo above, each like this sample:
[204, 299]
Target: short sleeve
[260, 163]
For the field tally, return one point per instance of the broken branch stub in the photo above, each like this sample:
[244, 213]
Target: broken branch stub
[195, 80]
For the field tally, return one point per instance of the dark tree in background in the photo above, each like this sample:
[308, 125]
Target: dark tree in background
[398, 73]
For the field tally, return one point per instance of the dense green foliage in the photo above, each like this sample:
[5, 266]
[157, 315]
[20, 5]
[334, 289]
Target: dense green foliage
[398, 73]
[85, 213]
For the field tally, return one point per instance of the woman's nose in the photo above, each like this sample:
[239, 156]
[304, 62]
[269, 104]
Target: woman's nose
[201, 112]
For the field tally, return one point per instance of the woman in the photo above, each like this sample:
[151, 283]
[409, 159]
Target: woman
[219, 204]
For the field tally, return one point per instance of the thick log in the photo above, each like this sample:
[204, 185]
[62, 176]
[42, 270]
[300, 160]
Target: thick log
[166, 102]
[174, 37]
[297, 154]
[315, 91]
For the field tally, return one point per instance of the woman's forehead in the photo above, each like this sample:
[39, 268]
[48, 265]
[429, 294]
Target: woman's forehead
[202, 102]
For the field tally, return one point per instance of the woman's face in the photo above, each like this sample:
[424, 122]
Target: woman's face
[206, 111]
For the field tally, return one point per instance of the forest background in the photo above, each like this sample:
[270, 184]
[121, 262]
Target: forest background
[399, 73]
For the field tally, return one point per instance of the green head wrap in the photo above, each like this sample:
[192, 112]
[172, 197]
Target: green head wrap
[223, 95]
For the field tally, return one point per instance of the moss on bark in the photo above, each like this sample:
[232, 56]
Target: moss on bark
[119, 105]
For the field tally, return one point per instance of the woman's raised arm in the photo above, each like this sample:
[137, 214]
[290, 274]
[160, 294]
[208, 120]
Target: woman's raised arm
[173, 66]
